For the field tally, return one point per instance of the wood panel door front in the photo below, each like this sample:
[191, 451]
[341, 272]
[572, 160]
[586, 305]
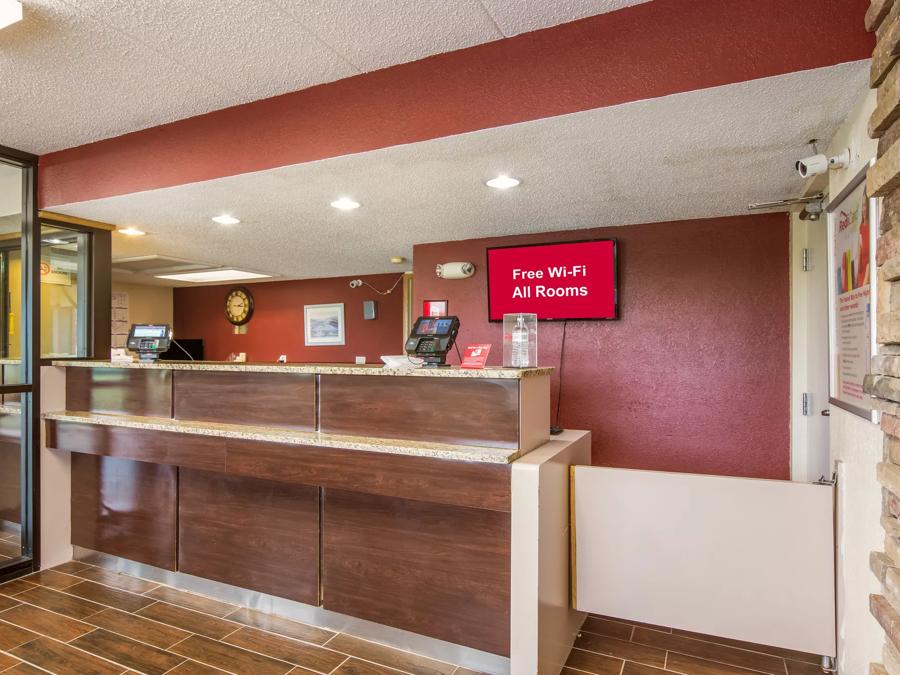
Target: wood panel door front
[10, 468]
[433, 569]
[125, 508]
[251, 533]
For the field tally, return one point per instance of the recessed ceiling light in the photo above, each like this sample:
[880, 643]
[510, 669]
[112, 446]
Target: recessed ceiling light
[214, 275]
[398, 259]
[131, 232]
[10, 12]
[345, 204]
[503, 182]
[225, 219]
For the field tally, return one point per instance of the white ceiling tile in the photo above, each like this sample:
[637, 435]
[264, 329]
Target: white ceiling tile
[522, 16]
[698, 154]
[66, 80]
[375, 34]
[254, 49]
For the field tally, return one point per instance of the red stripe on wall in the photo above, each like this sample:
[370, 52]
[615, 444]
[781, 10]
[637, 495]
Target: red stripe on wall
[695, 376]
[650, 50]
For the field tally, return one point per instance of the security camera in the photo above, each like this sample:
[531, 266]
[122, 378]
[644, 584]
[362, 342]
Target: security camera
[812, 166]
[818, 164]
[840, 161]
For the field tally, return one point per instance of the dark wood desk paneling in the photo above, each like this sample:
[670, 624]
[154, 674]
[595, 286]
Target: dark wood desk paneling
[145, 445]
[10, 468]
[125, 508]
[127, 391]
[444, 481]
[436, 570]
[444, 410]
[265, 399]
[255, 534]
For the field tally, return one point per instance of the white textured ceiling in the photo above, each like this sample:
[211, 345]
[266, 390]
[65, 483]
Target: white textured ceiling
[10, 190]
[76, 71]
[692, 155]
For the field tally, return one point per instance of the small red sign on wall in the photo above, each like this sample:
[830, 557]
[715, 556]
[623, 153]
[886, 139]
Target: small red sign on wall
[434, 308]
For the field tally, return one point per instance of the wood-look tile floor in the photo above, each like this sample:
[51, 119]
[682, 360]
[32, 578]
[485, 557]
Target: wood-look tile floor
[10, 545]
[85, 620]
[610, 646]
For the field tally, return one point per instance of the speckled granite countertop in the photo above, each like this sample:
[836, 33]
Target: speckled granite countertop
[314, 368]
[467, 453]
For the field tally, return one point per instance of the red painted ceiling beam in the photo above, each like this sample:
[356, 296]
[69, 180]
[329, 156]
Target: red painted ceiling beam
[650, 50]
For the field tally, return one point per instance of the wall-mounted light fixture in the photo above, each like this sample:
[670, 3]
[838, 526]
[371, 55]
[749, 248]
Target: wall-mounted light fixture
[455, 270]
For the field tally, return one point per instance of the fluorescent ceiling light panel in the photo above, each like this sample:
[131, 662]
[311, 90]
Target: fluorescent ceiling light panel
[131, 232]
[345, 204]
[502, 182]
[213, 275]
[10, 12]
[225, 219]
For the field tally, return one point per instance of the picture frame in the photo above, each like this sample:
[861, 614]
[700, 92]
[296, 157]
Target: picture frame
[323, 325]
[853, 223]
[435, 308]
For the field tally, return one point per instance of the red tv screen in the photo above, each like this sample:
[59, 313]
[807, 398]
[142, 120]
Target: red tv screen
[571, 280]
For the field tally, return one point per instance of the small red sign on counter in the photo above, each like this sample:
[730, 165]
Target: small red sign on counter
[475, 356]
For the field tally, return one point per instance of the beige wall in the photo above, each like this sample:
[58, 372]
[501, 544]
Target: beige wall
[147, 304]
[857, 444]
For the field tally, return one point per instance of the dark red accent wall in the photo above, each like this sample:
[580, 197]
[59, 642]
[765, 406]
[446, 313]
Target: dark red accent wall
[695, 376]
[649, 50]
[277, 324]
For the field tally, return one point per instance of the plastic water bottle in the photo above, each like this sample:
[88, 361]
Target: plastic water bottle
[520, 344]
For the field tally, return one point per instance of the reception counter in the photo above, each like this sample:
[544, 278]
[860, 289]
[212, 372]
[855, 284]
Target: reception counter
[406, 499]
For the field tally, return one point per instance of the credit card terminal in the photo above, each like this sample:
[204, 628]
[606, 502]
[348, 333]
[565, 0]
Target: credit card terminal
[431, 338]
[149, 341]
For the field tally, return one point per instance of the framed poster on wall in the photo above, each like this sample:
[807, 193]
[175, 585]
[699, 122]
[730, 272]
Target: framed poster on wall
[852, 231]
[324, 324]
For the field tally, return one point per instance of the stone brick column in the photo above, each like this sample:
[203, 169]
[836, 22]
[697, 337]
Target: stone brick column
[883, 17]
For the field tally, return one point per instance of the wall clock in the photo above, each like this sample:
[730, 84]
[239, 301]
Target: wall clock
[239, 305]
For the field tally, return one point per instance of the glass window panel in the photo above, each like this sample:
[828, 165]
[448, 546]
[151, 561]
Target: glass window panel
[64, 286]
[13, 468]
[12, 338]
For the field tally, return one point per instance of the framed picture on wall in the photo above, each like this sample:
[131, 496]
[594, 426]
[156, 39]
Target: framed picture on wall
[852, 230]
[323, 325]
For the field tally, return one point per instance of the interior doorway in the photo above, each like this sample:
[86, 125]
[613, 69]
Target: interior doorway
[809, 350]
[19, 384]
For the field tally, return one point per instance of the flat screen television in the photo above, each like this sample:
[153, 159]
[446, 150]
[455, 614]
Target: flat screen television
[573, 280]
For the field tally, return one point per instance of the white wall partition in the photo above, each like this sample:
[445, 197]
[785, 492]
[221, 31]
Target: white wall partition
[732, 557]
